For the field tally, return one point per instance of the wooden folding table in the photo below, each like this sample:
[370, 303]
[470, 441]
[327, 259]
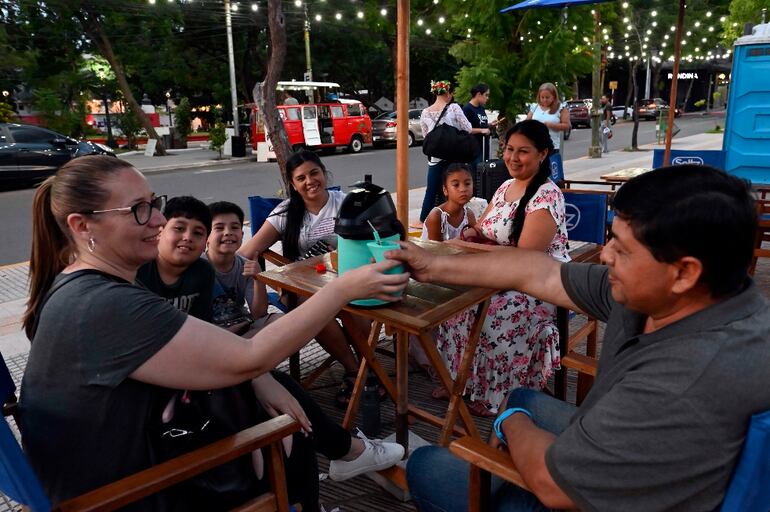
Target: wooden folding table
[423, 307]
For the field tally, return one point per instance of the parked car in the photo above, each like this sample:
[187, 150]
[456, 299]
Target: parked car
[579, 114]
[384, 128]
[29, 154]
[649, 108]
[623, 112]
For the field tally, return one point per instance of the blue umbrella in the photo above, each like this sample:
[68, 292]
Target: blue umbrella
[533, 4]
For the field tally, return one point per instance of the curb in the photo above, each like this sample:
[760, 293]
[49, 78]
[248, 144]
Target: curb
[193, 165]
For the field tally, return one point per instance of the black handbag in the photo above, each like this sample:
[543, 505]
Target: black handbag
[202, 417]
[448, 143]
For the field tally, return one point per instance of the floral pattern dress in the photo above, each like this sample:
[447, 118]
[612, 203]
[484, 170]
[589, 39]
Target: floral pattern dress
[519, 342]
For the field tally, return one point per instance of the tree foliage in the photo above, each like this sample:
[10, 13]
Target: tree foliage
[740, 13]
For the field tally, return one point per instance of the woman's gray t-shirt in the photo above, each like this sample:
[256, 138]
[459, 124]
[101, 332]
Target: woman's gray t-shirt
[84, 422]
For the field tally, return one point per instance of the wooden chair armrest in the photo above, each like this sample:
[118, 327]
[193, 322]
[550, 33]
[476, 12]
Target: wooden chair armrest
[581, 363]
[145, 483]
[275, 258]
[480, 454]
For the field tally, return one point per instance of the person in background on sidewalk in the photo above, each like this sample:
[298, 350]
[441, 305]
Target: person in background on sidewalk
[683, 364]
[549, 111]
[94, 224]
[303, 221]
[606, 126]
[288, 99]
[477, 115]
[429, 118]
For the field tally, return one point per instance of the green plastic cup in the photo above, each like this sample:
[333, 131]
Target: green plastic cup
[378, 251]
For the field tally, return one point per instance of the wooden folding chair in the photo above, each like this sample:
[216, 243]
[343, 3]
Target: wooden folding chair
[19, 482]
[486, 461]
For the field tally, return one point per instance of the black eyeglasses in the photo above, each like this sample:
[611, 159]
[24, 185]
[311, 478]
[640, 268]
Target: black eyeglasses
[142, 210]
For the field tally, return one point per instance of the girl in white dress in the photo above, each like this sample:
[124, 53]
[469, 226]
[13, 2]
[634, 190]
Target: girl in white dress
[449, 219]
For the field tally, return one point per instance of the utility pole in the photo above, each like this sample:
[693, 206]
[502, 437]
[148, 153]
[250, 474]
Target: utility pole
[231, 62]
[309, 66]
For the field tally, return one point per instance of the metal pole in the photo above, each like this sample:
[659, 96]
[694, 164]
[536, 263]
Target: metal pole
[672, 99]
[595, 151]
[231, 62]
[309, 70]
[402, 112]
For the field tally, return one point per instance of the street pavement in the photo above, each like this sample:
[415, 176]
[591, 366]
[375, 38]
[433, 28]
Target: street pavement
[13, 285]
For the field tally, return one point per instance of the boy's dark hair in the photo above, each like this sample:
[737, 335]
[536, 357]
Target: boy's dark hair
[481, 88]
[453, 168]
[189, 208]
[224, 207]
[698, 211]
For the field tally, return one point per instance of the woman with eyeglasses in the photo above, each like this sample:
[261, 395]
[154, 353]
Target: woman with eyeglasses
[103, 349]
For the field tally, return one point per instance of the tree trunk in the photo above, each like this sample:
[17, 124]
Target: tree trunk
[266, 99]
[686, 96]
[101, 40]
[630, 89]
[635, 132]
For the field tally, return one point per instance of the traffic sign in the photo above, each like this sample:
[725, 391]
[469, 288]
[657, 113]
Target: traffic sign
[613, 85]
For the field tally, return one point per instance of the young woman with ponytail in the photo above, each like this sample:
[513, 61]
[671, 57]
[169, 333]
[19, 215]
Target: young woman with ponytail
[519, 342]
[103, 348]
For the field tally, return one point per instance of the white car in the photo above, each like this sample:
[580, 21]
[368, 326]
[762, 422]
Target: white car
[618, 110]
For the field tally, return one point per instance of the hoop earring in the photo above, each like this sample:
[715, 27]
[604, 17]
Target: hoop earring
[91, 244]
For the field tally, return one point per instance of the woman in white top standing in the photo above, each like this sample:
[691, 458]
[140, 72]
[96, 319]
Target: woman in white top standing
[549, 111]
[454, 116]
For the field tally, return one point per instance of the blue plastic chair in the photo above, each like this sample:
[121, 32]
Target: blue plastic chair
[259, 209]
[749, 489]
[587, 215]
[17, 479]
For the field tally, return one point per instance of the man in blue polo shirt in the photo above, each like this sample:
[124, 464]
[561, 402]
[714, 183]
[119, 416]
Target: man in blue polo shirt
[683, 364]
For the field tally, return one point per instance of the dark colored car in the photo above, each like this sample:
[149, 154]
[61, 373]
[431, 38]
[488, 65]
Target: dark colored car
[650, 108]
[578, 113]
[29, 154]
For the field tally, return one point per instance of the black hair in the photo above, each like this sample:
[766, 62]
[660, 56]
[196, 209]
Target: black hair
[697, 211]
[453, 168]
[538, 135]
[295, 210]
[224, 207]
[189, 208]
[481, 88]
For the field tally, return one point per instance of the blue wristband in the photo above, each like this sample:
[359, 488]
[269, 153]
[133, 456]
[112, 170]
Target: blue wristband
[504, 416]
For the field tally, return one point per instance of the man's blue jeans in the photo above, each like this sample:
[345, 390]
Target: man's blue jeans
[433, 188]
[438, 480]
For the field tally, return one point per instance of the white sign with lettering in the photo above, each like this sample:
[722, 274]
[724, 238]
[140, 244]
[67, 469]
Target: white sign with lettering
[684, 76]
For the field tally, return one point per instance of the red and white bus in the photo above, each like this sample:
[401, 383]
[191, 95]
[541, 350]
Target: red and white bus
[318, 125]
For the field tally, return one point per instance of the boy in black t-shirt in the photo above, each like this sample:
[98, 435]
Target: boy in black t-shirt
[178, 274]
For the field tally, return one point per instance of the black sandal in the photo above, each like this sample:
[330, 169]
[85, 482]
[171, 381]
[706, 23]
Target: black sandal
[345, 391]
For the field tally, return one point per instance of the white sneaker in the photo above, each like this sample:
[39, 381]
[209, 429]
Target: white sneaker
[377, 455]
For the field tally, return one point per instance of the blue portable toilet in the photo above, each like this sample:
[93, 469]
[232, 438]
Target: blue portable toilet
[747, 127]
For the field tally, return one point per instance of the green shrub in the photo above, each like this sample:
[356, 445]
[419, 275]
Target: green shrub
[129, 125]
[7, 114]
[217, 135]
[183, 118]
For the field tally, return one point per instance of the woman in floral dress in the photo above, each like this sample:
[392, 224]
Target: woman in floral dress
[519, 341]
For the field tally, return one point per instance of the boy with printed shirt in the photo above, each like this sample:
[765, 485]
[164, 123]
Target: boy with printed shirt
[233, 290]
[178, 273]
